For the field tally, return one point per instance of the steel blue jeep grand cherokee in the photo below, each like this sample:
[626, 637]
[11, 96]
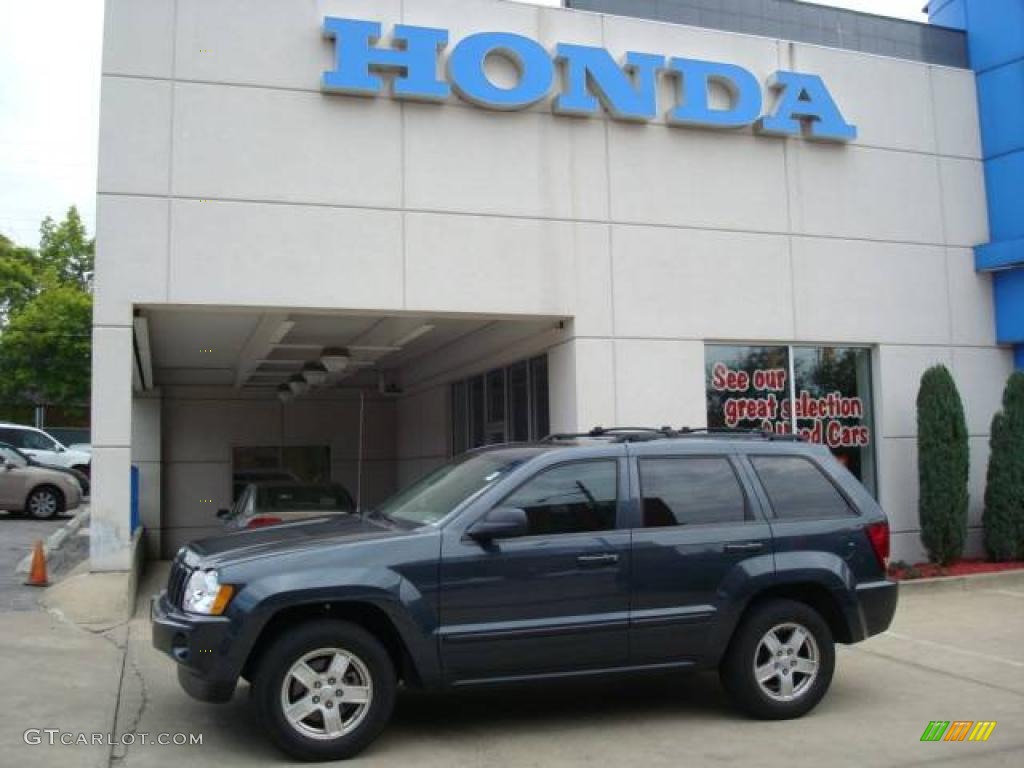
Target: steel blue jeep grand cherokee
[603, 553]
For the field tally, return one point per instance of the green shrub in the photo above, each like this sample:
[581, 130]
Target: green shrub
[1004, 487]
[943, 462]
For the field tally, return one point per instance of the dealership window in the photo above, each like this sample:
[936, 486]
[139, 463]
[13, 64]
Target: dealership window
[822, 393]
[503, 405]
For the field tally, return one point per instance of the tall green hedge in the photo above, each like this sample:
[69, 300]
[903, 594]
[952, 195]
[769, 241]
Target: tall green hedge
[1004, 489]
[943, 461]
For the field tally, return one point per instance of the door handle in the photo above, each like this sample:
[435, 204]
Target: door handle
[750, 546]
[596, 561]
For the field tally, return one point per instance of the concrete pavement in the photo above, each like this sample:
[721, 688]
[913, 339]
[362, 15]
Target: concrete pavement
[951, 655]
[56, 676]
[17, 536]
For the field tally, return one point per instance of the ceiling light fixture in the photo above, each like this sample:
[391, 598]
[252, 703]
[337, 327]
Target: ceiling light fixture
[315, 374]
[335, 359]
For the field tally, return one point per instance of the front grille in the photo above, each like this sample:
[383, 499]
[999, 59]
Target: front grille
[177, 581]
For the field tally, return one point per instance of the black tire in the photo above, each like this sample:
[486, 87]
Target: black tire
[287, 650]
[44, 502]
[745, 651]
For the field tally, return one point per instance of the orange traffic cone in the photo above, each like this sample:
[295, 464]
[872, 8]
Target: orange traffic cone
[37, 573]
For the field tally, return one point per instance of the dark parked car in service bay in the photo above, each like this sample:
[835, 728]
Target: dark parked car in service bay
[611, 552]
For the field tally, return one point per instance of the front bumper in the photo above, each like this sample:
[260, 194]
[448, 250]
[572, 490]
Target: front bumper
[877, 603]
[201, 646]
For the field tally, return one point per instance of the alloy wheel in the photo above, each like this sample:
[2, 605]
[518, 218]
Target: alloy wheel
[43, 504]
[326, 693]
[786, 662]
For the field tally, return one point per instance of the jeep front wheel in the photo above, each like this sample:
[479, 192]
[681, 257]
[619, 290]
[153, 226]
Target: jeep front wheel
[780, 662]
[325, 690]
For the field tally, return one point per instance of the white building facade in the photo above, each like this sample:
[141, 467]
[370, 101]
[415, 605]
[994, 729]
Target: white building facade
[481, 274]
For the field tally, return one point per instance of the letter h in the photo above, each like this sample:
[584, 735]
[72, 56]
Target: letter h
[357, 57]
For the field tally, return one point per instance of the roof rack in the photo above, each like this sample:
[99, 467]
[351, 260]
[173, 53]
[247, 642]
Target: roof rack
[645, 434]
[623, 434]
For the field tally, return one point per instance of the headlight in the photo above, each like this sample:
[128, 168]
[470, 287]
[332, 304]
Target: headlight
[205, 594]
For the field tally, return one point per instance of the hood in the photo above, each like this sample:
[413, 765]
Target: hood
[77, 457]
[287, 539]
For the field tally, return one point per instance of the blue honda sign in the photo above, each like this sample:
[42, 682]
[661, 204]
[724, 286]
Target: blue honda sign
[588, 79]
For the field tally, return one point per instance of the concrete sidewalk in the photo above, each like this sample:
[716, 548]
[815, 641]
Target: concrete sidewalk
[57, 675]
[951, 655]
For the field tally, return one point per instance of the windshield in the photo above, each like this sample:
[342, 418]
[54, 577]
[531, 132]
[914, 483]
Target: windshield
[440, 492]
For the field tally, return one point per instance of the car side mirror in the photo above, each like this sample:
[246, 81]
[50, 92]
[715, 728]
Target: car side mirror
[500, 523]
[223, 514]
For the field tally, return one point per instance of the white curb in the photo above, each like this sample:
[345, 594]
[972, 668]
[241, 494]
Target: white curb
[53, 543]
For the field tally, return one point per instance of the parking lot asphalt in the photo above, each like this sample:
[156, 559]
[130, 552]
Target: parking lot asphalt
[949, 656]
[17, 535]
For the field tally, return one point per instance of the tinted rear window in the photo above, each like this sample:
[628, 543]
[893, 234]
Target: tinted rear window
[690, 491]
[798, 489]
[305, 498]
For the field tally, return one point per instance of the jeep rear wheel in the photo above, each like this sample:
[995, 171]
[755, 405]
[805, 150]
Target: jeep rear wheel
[325, 690]
[780, 662]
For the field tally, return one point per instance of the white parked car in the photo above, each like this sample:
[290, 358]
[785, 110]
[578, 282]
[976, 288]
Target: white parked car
[43, 448]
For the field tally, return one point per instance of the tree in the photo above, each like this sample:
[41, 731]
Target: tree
[1004, 488]
[67, 249]
[19, 277]
[943, 462]
[46, 316]
[45, 349]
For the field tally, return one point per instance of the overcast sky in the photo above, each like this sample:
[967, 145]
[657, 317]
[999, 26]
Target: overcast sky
[49, 105]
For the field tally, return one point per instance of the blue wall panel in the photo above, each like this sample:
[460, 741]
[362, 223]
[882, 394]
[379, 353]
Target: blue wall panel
[1004, 182]
[995, 32]
[1001, 101]
[948, 13]
[995, 42]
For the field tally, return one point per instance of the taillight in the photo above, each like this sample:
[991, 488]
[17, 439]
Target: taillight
[878, 535]
[263, 520]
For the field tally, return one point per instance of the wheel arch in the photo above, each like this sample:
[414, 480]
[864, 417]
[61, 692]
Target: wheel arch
[365, 614]
[813, 594]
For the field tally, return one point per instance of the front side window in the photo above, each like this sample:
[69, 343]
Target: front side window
[570, 498]
[798, 489]
[36, 441]
[690, 491]
[12, 437]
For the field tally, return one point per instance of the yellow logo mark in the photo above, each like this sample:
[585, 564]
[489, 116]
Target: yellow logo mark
[982, 730]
